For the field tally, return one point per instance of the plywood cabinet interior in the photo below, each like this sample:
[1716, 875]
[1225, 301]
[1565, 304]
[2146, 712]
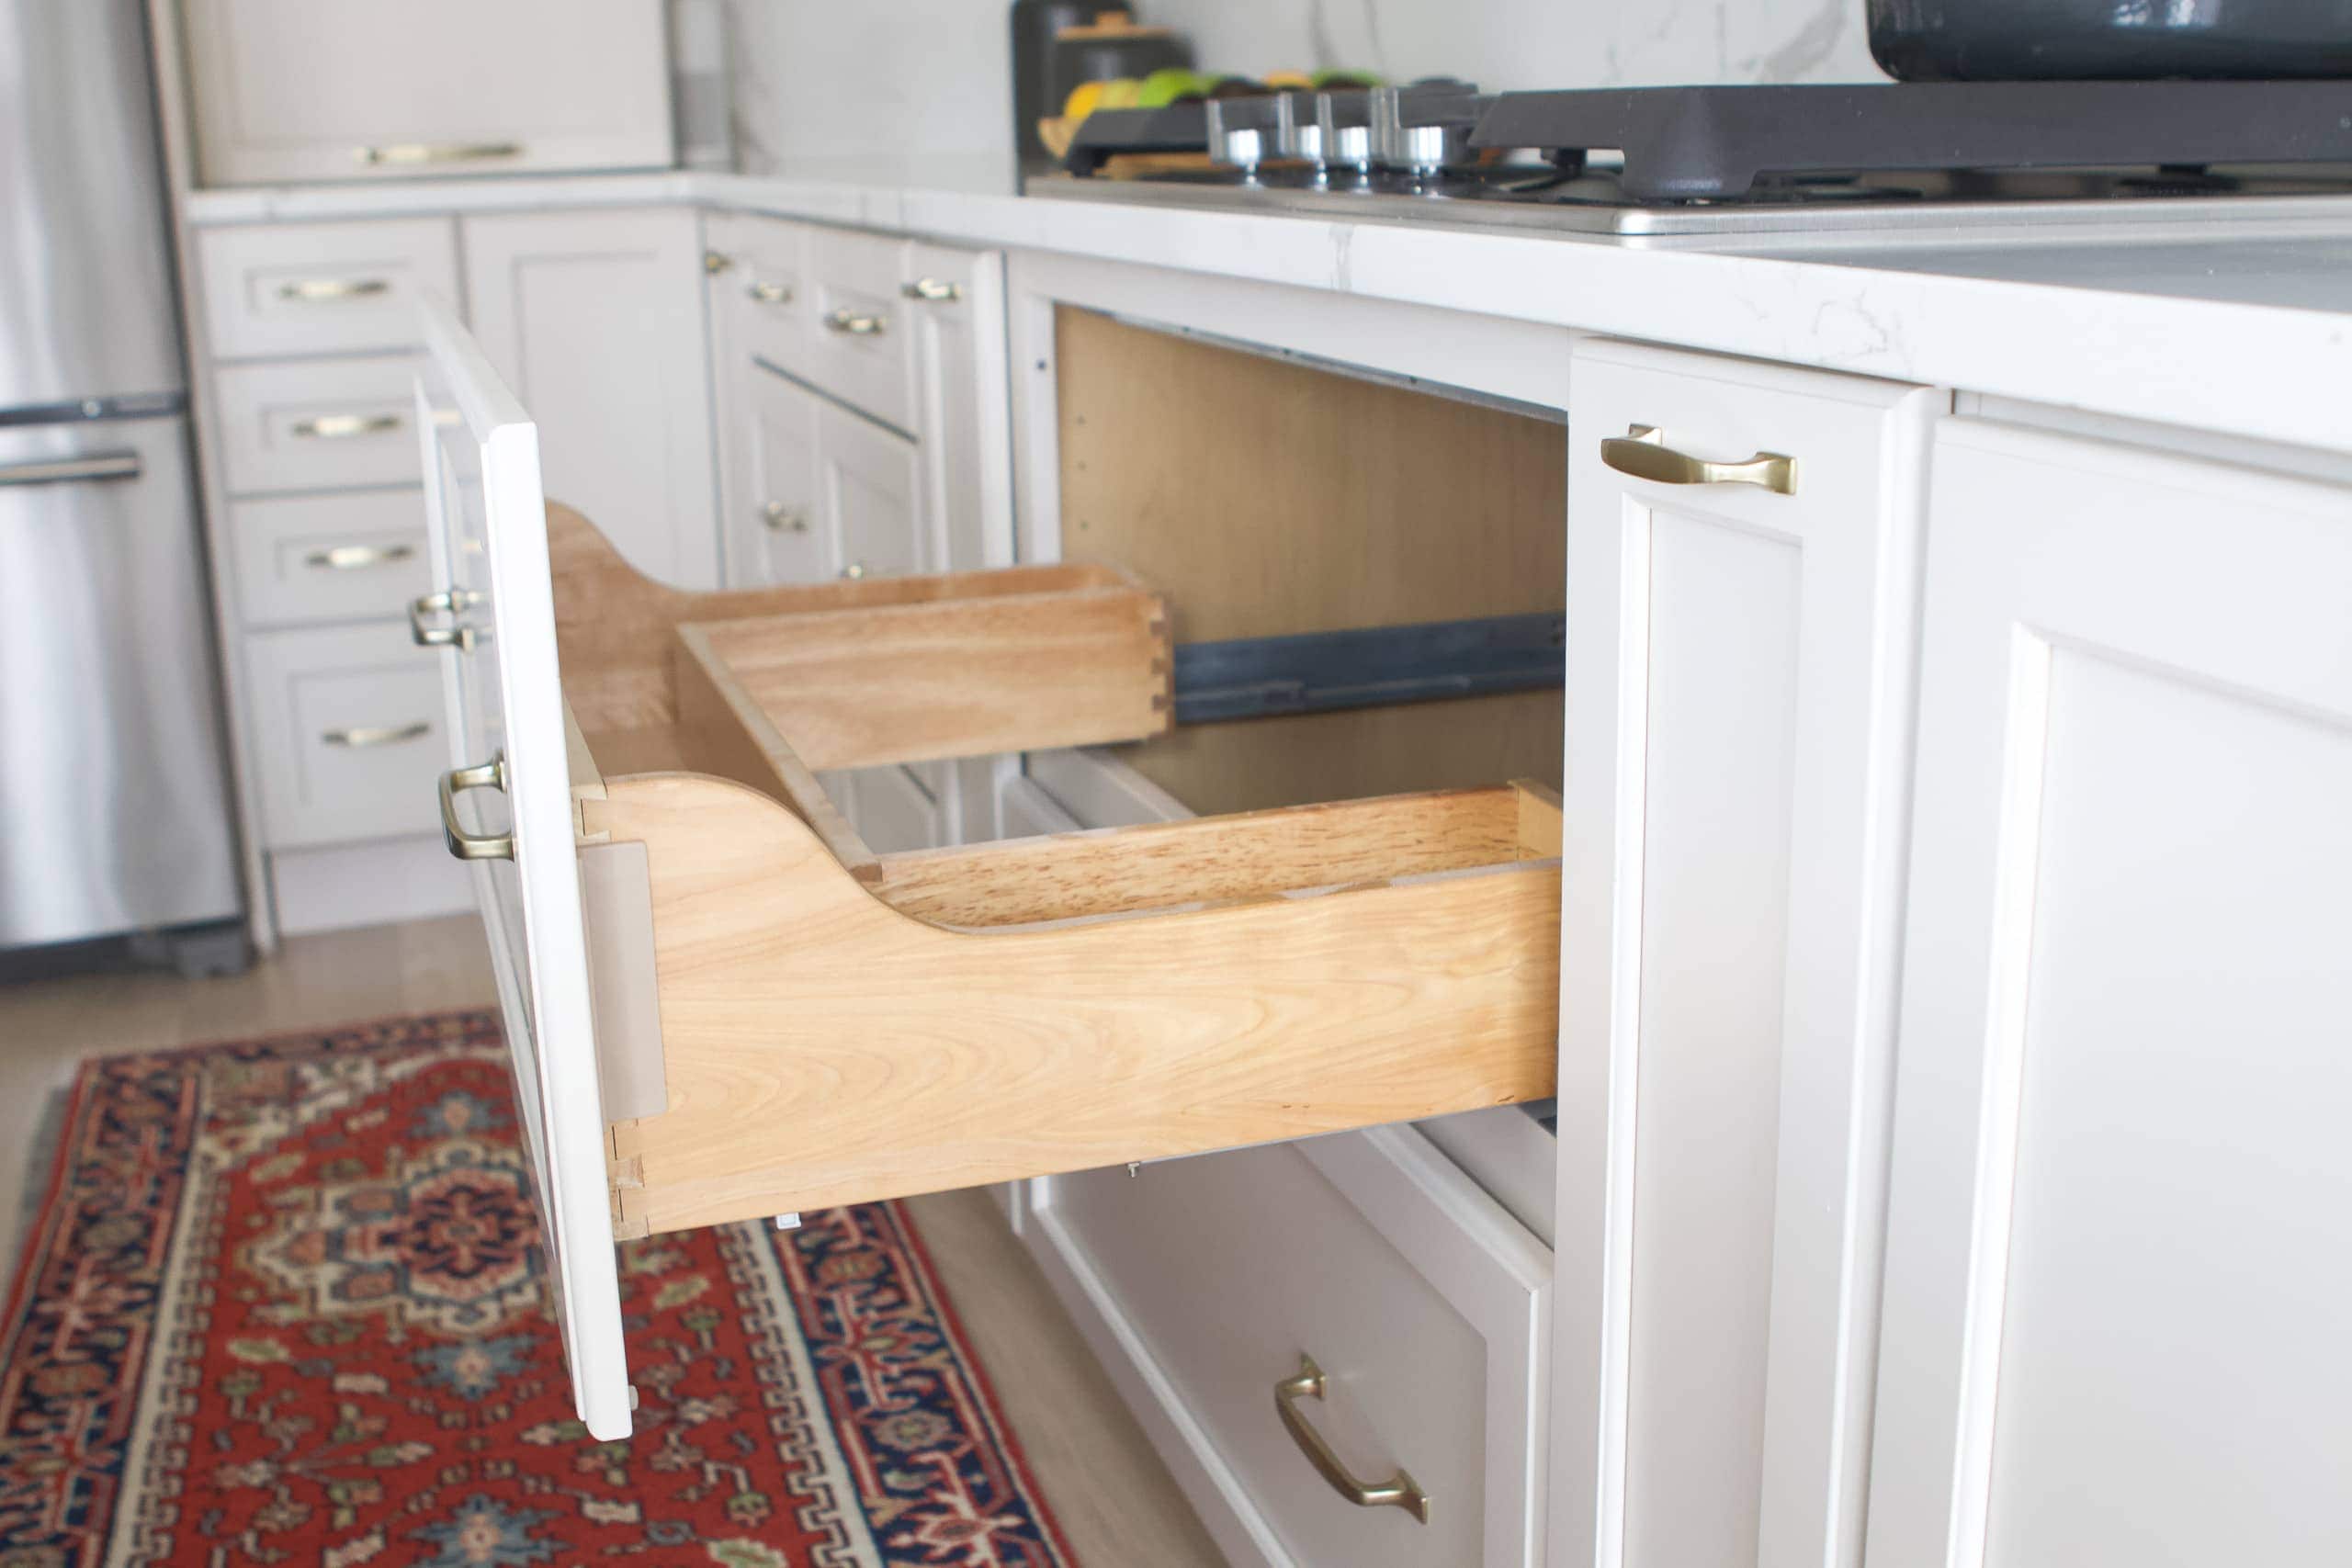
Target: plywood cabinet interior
[1269, 497]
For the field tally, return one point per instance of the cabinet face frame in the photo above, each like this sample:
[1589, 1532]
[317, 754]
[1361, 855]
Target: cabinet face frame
[1714, 628]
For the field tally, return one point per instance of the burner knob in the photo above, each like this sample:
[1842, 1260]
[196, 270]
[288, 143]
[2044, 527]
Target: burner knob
[1424, 130]
[1241, 131]
[1344, 120]
[1298, 129]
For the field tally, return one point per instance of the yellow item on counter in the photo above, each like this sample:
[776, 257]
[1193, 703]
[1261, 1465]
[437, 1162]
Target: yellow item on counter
[1083, 100]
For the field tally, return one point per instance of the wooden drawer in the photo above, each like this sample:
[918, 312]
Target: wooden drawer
[323, 288]
[859, 349]
[348, 724]
[317, 425]
[785, 1019]
[336, 556]
[1420, 1300]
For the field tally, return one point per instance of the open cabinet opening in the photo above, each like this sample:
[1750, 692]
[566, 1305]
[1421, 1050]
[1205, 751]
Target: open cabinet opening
[1268, 497]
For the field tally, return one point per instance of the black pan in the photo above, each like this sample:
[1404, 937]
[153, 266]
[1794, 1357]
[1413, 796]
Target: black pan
[2017, 41]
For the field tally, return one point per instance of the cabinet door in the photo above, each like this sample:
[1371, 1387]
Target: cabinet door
[1739, 665]
[963, 415]
[2116, 1278]
[870, 480]
[858, 346]
[775, 529]
[596, 319]
[296, 90]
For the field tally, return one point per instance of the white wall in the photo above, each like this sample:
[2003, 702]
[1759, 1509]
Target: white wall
[824, 84]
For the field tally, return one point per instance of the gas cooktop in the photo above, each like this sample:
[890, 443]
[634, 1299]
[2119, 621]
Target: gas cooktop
[1740, 160]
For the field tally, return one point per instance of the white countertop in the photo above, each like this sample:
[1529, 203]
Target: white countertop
[2237, 327]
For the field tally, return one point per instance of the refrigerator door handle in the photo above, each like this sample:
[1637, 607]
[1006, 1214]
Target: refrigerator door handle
[72, 470]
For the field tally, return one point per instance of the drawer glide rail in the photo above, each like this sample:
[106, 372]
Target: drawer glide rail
[1368, 667]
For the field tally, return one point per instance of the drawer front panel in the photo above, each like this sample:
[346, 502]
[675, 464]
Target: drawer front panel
[348, 723]
[1229, 1266]
[777, 531]
[324, 424]
[764, 306]
[860, 350]
[323, 288]
[871, 482]
[326, 558]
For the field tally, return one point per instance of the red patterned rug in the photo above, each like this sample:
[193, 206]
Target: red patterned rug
[285, 1303]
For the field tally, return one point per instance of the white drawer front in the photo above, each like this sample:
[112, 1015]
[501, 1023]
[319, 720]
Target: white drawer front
[348, 724]
[1230, 1267]
[860, 350]
[323, 288]
[322, 424]
[762, 302]
[870, 484]
[329, 557]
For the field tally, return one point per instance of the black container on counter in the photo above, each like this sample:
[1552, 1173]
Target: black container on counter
[1035, 24]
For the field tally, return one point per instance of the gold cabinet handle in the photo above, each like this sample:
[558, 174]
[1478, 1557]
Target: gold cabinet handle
[359, 737]
[1641, 452]
[436, 151]
[344, 426]
[1398, 1491]
[356, 558]
[937, 290]
[455, 783]
[770, 293]
[854, 324]
[448, 602]
[716, 262]
[853, 570]
[784, 519]
[331, 290]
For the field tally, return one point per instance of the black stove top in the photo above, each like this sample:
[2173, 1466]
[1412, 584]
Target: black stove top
[1669, 159]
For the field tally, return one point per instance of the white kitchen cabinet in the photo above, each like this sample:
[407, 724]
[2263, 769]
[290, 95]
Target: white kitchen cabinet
[773, 529]
[859, 350]
[2116, 1283]
[869, 484]
[1739, 667]
[963, 414]
[290, 288]
[348, 721]
[290, 90]
[595, 319]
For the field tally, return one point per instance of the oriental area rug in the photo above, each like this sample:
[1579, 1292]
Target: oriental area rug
[285, 1303]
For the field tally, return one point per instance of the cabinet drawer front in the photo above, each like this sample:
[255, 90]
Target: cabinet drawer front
[328, 557]
[761, 304]
[323, 288]
[871, 482]
[860, 349]
[777, 528]
[323, 424]
[349, 727]
[1230, 1267]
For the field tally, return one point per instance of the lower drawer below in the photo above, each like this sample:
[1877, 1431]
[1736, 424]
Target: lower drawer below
[370, 884]
[1419, 1298]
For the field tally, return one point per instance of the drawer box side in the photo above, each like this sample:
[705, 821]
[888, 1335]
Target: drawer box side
[903, 1057]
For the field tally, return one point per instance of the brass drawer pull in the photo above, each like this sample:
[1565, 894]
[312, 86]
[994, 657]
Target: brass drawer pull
[436, 151]
[1398, 1491]
[853, 570]
[448, 602]
[356, 558]
[344, 426]
[938, 291]
[716, 262]
[1642, 452]
[330, 290]
[770, 293]
[359, 737]
[783, 519]
[854, 324]
[455, 783]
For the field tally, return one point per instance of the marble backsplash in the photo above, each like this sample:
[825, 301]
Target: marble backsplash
[820, 86]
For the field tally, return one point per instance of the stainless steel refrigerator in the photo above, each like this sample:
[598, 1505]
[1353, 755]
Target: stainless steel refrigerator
[114, 798]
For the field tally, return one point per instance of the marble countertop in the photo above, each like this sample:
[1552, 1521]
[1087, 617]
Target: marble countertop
[2239, 327]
